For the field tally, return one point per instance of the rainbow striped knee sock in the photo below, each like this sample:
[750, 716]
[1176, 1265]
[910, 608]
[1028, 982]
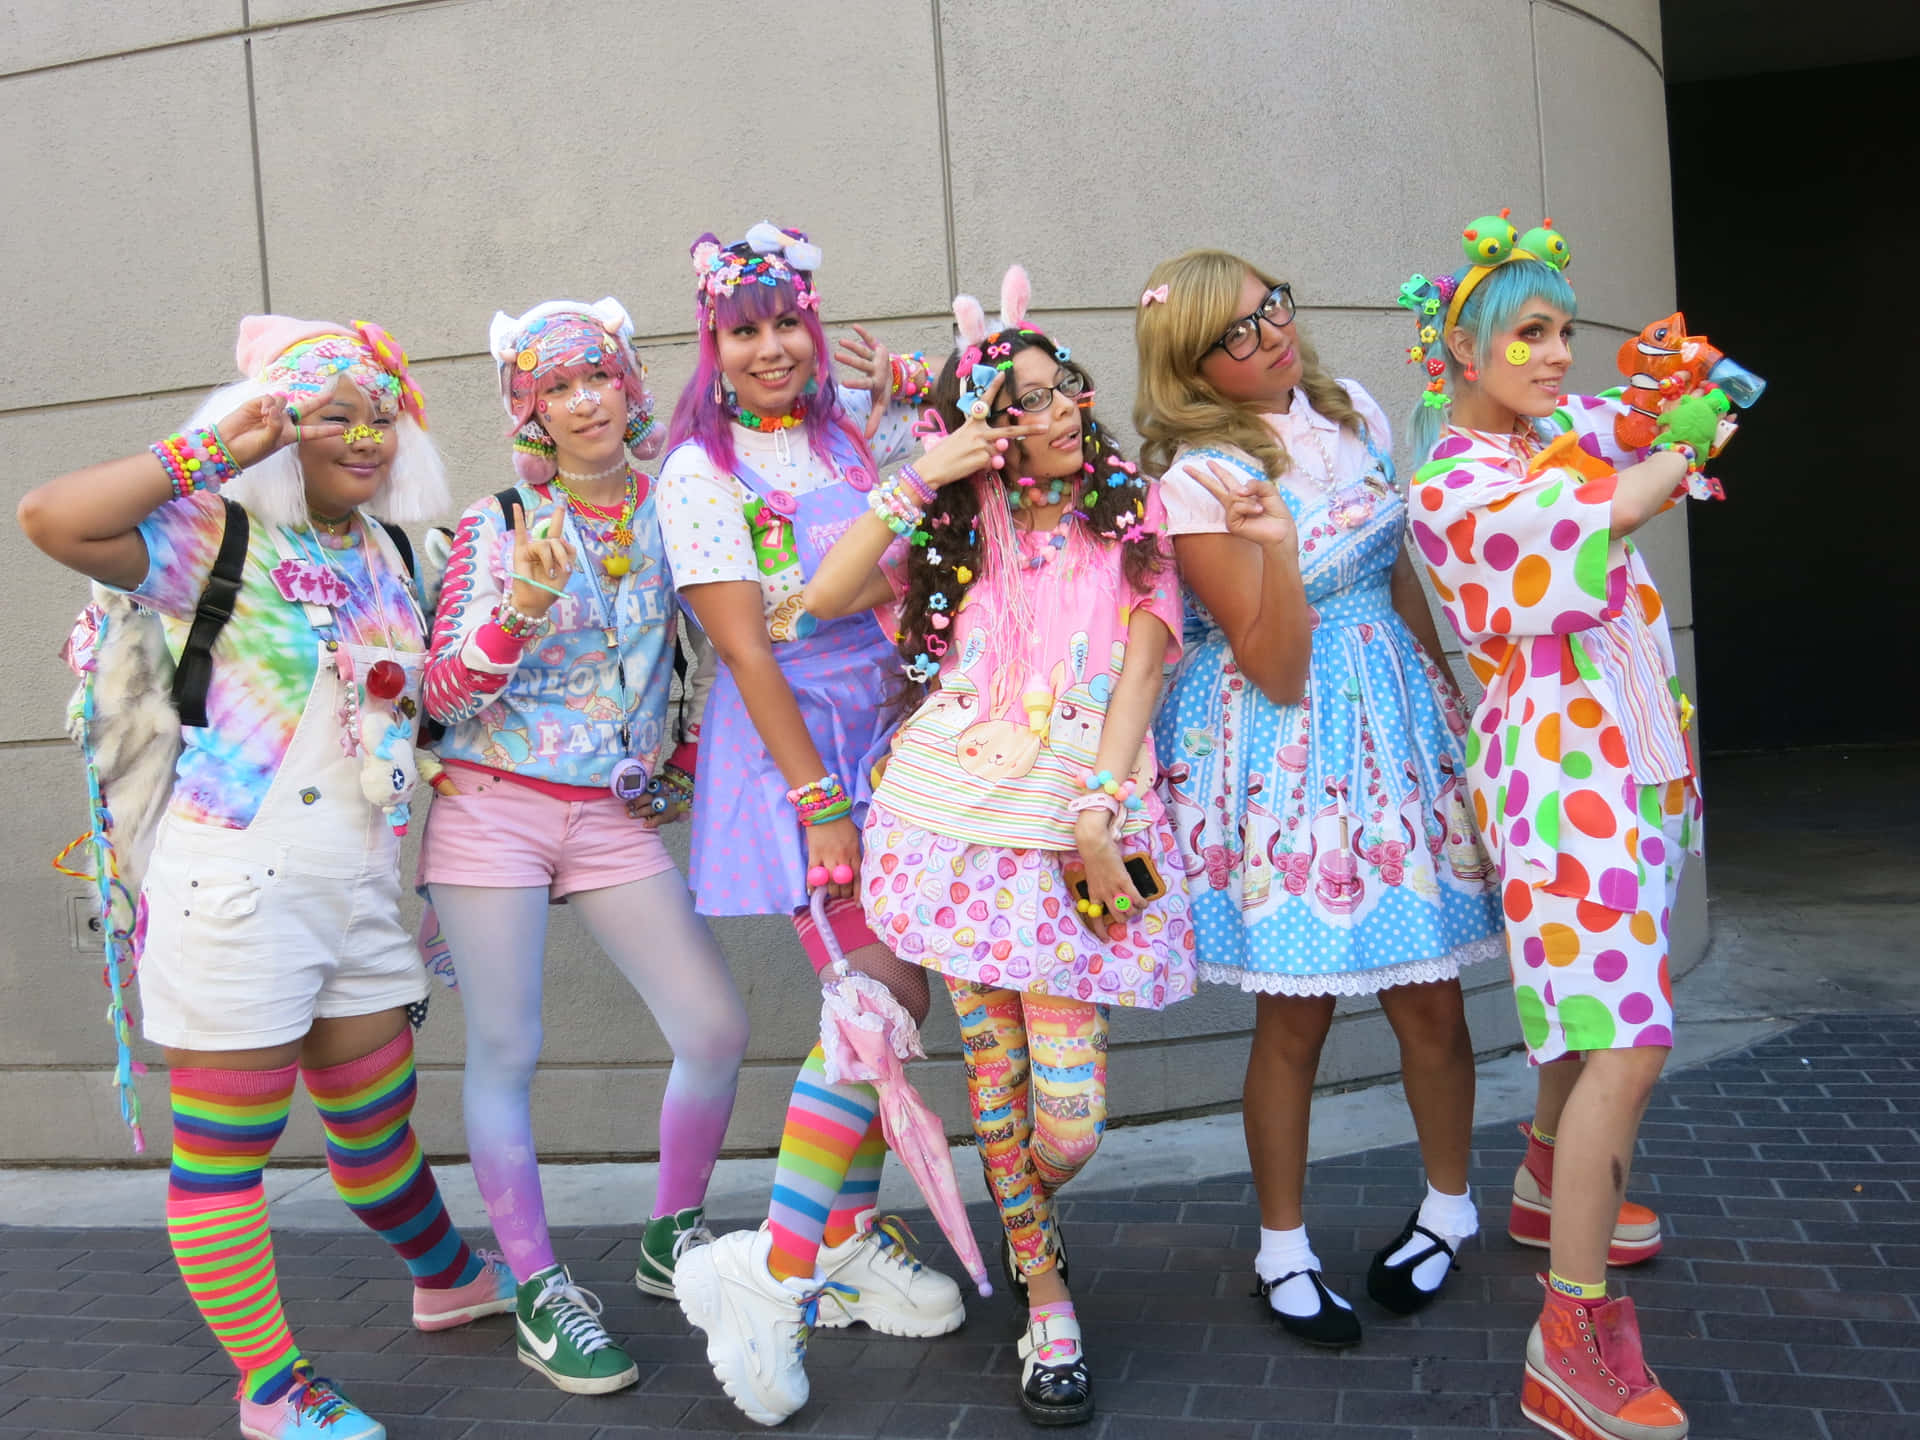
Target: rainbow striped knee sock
[378, 1167]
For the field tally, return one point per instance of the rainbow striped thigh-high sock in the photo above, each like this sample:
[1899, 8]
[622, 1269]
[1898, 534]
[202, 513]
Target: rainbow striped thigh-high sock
[225, 1124]
[378, 1167]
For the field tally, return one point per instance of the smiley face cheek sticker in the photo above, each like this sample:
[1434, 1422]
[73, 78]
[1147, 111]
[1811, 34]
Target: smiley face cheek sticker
[1518, 353]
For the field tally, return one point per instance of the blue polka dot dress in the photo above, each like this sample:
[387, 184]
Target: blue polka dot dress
[1330, 845]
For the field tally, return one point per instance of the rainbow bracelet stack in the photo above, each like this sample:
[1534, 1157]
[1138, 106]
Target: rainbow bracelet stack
[516, 625]
[900, 504]
[196, 460]
[819, 801]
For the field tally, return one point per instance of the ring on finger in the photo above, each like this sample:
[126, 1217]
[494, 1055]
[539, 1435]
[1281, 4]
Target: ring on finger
[978, 410]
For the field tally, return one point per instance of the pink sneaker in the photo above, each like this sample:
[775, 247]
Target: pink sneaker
[311, 1410]
[491, 1292]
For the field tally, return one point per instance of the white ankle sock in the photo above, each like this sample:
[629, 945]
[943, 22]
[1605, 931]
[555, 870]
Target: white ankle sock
[1454, 1220]
[1281, 1253]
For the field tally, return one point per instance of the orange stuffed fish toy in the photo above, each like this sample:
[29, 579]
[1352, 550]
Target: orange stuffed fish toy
[1663, 363]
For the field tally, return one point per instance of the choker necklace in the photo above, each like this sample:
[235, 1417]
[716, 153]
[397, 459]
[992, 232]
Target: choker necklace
[607, 474]
[779, 422]
[337, 526]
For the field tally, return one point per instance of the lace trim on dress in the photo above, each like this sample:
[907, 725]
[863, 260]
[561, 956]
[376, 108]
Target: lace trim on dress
[1358, 982]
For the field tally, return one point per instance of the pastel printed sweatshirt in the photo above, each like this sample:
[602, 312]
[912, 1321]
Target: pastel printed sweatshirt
[553, 710]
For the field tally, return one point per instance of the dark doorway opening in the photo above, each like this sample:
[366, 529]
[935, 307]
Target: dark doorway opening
[1796, 214]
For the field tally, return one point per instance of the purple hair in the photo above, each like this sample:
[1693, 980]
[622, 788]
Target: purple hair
[699, 417]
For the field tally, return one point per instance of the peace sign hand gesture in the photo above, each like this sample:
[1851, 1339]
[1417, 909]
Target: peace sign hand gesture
[1255, 511]
[264, 425]
[978, 444]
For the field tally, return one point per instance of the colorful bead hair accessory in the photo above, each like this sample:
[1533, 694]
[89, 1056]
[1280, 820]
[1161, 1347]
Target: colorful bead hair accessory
[300, 358]
[1489, 242]
[767, 256]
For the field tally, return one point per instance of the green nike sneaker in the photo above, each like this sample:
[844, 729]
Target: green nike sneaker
[558, 1328]
[660, 1246]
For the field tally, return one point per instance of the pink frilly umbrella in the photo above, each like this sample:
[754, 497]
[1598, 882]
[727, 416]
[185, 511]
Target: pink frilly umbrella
[866, 1036]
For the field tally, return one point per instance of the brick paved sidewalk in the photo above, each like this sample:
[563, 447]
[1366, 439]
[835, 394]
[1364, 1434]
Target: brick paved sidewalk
[1786, 1306]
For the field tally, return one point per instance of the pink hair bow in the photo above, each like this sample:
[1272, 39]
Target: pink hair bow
[391, 358]
[1157, 293]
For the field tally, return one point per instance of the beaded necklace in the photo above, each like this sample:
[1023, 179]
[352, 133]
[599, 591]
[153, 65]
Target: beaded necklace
[1029, 494]
[778, 422]
[618, 532]
[1052, 541]
[606, 474]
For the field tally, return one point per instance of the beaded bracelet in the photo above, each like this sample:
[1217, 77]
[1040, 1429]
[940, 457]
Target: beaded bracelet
[915, 485]
[893, 504]
[517, 625]
[819, 801]
[196, 460]
[1681, 447]
[911, 378]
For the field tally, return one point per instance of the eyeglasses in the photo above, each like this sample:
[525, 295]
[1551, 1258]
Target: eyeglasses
[1243, 336]
[1040, 398]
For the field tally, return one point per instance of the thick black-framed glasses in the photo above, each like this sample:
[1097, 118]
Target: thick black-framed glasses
[1040, 398]
[1242, 337]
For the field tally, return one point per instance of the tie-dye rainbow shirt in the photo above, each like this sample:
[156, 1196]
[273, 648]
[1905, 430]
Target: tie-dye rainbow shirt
[265, 660]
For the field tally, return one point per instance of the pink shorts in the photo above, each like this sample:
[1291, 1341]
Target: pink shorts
[504, 835]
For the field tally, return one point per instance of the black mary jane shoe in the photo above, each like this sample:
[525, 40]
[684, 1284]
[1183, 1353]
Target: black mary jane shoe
[1392, 1287]
[1054, 1394]
[1010, 1266]
[1332, 1326]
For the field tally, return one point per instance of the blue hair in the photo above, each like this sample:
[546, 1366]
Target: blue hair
[1495, 304]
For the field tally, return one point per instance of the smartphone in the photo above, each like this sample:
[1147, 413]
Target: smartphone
[1140, 869]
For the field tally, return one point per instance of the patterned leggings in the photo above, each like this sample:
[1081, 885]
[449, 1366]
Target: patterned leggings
[1037, 1121]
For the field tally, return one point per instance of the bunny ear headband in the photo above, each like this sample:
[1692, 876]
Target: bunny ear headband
[1489, 242]
[983, 352]
[301, 357]
[768, 255]
[560, 333]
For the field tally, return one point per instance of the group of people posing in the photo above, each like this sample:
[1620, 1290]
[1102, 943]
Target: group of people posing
[1055, 728]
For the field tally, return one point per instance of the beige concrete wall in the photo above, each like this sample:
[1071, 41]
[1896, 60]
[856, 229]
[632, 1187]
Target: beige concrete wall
[174, 166]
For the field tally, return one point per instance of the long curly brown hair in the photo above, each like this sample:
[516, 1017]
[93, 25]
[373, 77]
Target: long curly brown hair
[1112, 507]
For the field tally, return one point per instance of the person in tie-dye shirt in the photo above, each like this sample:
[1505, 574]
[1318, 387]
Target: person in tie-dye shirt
[273, 939]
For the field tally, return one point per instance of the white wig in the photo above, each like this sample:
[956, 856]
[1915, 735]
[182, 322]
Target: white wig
[275, 492]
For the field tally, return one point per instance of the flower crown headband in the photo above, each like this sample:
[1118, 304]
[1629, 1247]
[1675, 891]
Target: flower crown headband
[1489, 242]
[768, 255]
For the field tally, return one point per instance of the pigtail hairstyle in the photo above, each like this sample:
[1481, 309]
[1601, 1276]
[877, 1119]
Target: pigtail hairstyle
[1176, 405]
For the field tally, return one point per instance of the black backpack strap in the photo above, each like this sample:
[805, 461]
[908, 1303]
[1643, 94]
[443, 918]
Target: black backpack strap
[506, 500]
[402, 544]
[193, 672]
